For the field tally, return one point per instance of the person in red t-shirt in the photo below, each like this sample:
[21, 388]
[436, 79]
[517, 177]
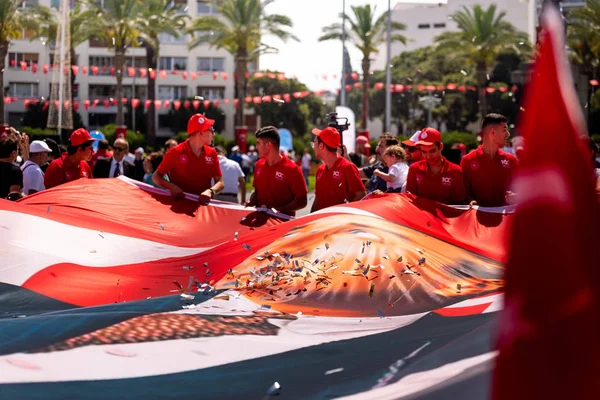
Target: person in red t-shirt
[278, 181]
[192, 165]
[74, 163]
[488, 170]
[435, 178]
[338, 180]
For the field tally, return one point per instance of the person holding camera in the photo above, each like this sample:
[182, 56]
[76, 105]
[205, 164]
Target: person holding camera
[338, 180]
[73, 164]
[278, 181]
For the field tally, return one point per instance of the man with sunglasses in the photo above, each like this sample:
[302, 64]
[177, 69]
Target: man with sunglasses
[74, 163]
[193, 164]
[435, 178]
[116, 165]
[488, 169]
[413, 152]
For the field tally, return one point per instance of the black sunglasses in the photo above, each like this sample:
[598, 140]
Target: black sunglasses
[119, 148]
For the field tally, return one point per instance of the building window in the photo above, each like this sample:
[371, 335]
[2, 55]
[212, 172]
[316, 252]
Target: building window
[440, 25]
[141, 92]
[206, 7]
[173, 63]
[103, 63]
[169, 39]
[424, 26]
[14, 59]
[101, 91]
[211, 93]
[96, 120]
[172, 92]
[204, 64]
[56, 4]
[18, 89]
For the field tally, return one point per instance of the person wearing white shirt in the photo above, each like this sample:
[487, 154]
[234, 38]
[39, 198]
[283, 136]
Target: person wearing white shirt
[395, 159]
[33, 176]
[233, 179]
[306, 157]
[117, 165]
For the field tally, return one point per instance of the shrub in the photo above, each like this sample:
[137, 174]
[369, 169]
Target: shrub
[134, 139]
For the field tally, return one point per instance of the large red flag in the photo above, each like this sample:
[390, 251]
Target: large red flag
[549, 332]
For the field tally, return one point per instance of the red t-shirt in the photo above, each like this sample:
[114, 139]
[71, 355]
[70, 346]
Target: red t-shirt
[279, 184]
[445, 187]
[100, 155]
[193, 174]
[487, 179]
[63, 170]
[334, 186]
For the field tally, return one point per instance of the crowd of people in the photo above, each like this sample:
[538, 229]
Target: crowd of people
[418, 166]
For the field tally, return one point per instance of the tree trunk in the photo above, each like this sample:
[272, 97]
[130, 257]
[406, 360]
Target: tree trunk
[366, 67]
[119, 61]
[3, 51]
[481, 83]
[151, 58]
[73, 77]
[241, 68]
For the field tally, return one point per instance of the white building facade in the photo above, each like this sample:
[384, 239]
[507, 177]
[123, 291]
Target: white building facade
[213, 70]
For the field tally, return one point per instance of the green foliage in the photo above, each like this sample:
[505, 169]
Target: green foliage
[468, 139]
[40, 133]
[300, 115]
[134, 139]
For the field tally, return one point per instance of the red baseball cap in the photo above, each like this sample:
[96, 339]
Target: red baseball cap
[330, 136]
[428, 137]
[362, 139]
[199, 123]
[411, 142]
[79, 137]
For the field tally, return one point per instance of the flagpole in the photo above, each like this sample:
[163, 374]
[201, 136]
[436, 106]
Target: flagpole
[388, 74]
[343, 89]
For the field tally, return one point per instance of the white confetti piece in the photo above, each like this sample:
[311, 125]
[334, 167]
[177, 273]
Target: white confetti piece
[334, 371]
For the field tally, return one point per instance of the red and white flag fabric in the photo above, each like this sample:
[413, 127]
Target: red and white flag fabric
[548, 339]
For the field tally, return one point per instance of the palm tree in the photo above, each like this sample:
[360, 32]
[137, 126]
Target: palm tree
[159, 16]
[240, 29]
[583, 38]
[119, 24]
[81, 29]
[367, 32]
[13, 19]
[483, 35]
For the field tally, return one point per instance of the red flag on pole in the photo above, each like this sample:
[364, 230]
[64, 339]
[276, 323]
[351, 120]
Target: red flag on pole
[550, 328]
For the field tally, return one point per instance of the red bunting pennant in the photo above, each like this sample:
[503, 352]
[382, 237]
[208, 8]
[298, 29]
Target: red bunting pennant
[106, 103]
[503, 89]
[157, 104]
[124, 100]
[66, 104]
[348, 88]
[26, 103]
[44, 107]
[193, 75]
[259, 75]
[248, 99]
[174, 72]
[186, 104]
[113, 102]
[247, 75]
[166, 104]
[271, 75]
[45, 68]
[84, 69]
[95, 103]
[56, 104]
[281, 77]
[135, 103]
[357, 85]
[276, 97]
[94, 70]
[354, 76]
[184, 75]
[76, 105]
[514, 89]
[13, 63]
[152, 73]
[206, 104]
[147, 104]
[286, 97]
[163, 74]
[224, 75]
[379, 86]
[75, 69]
[226, 101]
[216, 103]
[267, 99]
[34, 68]
[594, 82]
[451, 86]
[236, 103]
[131, 71]
[143, 72]
[257, 100]
[86, 104]
[24, 65]
[215, 75]
[399, 88]
[297, 95]
[112, 71]
[176, 104]
[196, 104]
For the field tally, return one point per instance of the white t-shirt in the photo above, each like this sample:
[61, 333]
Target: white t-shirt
[306, 161]
[33, 177]
[400, 171]
[231, 171]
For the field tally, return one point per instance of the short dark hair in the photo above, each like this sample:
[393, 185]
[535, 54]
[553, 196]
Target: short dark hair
[8, 145]
[389, 139]
[492, 119]
[220, 150]
[103, 144]
[54, 147]
[155, 159]
[269, 133]
[331, 149]
[73, 149]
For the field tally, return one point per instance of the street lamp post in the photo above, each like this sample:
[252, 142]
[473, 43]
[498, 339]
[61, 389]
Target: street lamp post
[388, 74]
[343, 89]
